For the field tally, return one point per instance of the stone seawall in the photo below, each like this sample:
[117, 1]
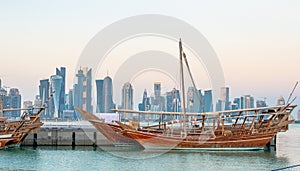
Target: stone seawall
[66, 136]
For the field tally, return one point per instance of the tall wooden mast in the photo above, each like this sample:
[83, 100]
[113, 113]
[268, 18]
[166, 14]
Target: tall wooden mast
[182, 88]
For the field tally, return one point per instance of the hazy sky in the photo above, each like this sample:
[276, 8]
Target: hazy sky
[258, 42]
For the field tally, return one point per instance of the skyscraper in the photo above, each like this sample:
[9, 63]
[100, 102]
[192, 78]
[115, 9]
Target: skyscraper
[157, 89]
[225, 104]
[27, 104]
[242, 103]
[219, 105]
[83, 90]
[127, 96]
[280, 101]
[248, 102]
[145, 105]
[176, 100]
[100, 96]
[3, 93]
[62, 72]
[208, 103]
[173, 101]
[37, 103]
[169, 98]
[157, 102]
[194, 100]
[237, 101]
[44, 96]
[71, 100]
[190, 99]
[198, 101]
[13, 100]
[108, 94]
[261, 103]
[56, 82]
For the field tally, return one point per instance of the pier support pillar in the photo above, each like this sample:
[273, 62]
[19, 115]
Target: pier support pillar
[95, 139]
[73, 139]
[34, 140]
[271, 146]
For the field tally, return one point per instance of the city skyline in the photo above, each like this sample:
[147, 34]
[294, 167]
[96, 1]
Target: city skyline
[81, 96]
[258, 48]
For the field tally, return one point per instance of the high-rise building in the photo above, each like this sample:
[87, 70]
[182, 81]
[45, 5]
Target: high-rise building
[100, 96]
[261, 103]
[62, 101]
[3, 93]
[169, 98]
[127, 96]
[157, 89]
[44, 90]
[176, 101]
[280, 101]
[37, 102]
[198, 102]
[66, 102]
[194, 101]
[248, 102]
[190, 99]
[208, 102]
[234, 106]
[173, 101]
[219, 105]
[145, 105]
[83, 90]
[158, 101]
[108, 95]
[71, 100]
[56, 82]
[225, 104]
[88, 89]
[242, 102]
[27, 104]
[237, 101]
[13, 100]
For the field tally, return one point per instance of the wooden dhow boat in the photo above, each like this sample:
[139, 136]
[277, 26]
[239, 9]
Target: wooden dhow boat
[13, 132]
[244, 129]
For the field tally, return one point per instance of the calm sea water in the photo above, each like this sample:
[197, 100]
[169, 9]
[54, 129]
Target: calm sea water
[110, 158]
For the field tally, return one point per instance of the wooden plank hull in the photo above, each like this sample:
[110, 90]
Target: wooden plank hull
[4, 141]
[149, 140]
[113, 133]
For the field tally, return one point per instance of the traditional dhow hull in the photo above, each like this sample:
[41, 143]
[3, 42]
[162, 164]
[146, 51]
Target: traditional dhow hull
[4, 141]
[111, 131]
[154, 141]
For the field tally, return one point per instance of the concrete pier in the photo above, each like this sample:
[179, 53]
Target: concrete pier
[66, 136]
